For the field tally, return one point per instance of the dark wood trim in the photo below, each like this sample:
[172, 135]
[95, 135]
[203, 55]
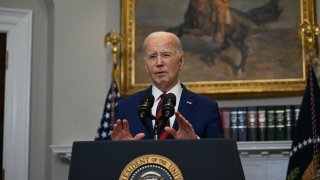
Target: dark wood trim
[3, 53]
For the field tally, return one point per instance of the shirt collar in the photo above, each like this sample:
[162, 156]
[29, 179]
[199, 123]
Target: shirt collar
[177, 89]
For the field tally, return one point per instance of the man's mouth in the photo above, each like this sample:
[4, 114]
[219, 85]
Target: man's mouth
[160, 73]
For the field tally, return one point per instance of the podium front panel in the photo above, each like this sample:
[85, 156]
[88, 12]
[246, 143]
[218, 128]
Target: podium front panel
[196, 159]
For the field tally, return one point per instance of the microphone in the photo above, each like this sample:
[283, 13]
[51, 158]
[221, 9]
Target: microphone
[169, 104]
[168, 110]
[144, 110]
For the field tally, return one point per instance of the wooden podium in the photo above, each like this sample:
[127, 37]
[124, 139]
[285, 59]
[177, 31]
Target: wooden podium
[146, 159]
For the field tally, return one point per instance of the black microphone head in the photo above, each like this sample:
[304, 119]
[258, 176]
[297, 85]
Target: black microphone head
[149, 99]
[144, 110]
[169, 104]
[170, 97]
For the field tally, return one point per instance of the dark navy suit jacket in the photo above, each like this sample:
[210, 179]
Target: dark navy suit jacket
[201, 112]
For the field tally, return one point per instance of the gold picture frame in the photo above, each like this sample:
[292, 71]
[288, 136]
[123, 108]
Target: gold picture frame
[132, 75]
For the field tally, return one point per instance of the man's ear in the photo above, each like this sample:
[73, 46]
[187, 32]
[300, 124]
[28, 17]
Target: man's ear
[145, 66]
[181, 62]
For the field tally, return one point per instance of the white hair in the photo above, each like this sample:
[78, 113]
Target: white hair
[163, 33]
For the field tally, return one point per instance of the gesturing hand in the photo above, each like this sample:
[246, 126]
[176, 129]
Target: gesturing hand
[121, 131]
[185, 130]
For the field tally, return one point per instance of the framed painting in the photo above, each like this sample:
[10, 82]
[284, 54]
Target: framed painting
[232, 48]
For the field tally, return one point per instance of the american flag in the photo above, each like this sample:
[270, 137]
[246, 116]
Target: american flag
[107, 118]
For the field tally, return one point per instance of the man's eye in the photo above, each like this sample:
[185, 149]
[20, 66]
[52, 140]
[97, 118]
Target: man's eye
[151, 57]
[166, 55]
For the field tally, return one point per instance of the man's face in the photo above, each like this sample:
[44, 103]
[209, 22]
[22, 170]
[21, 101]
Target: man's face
[163, 62]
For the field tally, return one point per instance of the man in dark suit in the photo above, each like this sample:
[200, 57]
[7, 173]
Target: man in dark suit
[195, 117]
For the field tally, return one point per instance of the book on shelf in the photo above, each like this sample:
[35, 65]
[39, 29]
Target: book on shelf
[225, 120]
[280, 133]
[259, 123]
[234, 124]
[262, 124]
[242, 123]
[271, 128]
[295, 117]
[252, 123]
[289, 122]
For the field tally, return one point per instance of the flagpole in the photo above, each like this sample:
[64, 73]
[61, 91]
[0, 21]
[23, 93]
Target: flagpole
[114, 39]
[309, 32]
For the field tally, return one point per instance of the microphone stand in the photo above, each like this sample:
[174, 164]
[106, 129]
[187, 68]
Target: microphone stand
[157, 128]
[156, 131]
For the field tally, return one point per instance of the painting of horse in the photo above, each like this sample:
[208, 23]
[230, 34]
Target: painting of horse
[225, 40]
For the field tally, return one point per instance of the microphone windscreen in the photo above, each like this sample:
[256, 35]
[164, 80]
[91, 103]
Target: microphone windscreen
[170, 97]
[148, 98]
[144, 110]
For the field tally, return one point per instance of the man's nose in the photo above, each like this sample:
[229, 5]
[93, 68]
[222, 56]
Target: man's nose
[159, 60]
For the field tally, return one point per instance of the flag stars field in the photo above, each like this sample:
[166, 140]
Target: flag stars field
[107, 115]
[303, 144]
[105, 124]
[104, 134]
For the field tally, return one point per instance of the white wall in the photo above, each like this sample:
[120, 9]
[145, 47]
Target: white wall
[81, 66]
[81, 70]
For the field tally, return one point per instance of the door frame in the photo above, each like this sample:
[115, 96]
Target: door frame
[17, 24]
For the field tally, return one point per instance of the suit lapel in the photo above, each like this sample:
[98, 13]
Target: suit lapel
[185, 105]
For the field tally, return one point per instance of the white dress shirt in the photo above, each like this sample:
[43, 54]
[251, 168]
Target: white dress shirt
[176, 90]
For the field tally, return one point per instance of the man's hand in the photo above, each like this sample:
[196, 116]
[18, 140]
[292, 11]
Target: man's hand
[185, 130]
[121, 131]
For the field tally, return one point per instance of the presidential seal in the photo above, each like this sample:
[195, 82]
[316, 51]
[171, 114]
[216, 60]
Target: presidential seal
[151, 167]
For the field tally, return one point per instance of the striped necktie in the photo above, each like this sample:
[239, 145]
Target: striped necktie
[163, 134]
[159, 107]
